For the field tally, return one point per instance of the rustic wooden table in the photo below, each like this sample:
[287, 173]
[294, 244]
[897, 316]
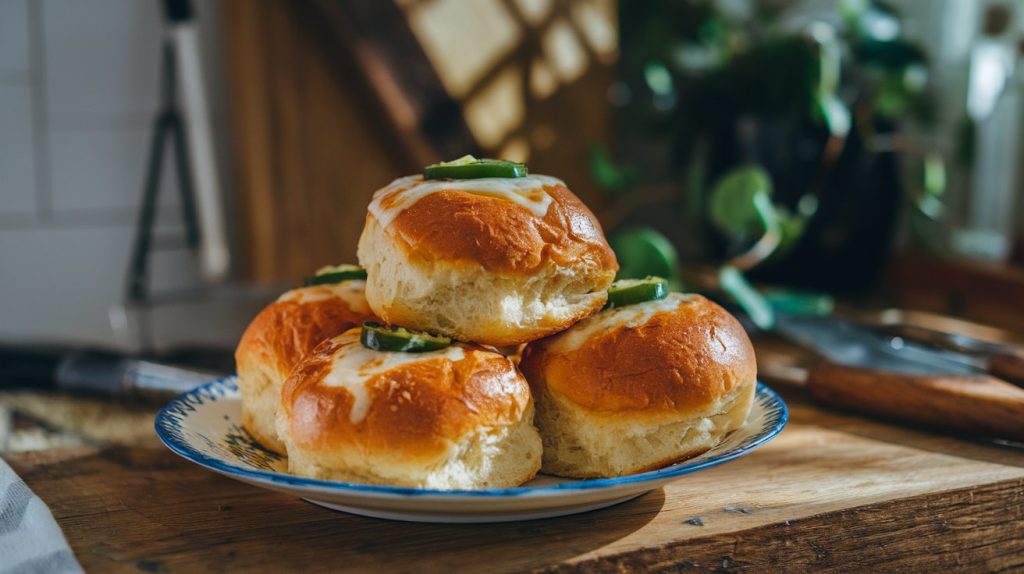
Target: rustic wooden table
[833, 492]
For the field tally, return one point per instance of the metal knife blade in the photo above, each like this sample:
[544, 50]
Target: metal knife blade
[957, 342]
[847, 343]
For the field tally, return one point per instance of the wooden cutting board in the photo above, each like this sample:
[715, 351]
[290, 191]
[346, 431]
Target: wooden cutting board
[831, 493]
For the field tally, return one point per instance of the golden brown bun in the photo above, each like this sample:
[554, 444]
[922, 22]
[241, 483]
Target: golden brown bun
[282, 334]
[459, 418]
[502, 236]
[484, 268]
[640, 387]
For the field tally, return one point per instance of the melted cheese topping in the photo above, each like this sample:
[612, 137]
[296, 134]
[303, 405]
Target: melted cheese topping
[354, 365]
[629, 317]
[351, 291]
[402, 193]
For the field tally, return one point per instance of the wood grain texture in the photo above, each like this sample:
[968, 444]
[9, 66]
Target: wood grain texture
[978, 404]
[977, 529]
[310, 146]
[831, 493]
[427, 121]
[984, 292]
[1008, 366]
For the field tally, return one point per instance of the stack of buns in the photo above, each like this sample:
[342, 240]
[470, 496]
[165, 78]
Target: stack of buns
[486, 264]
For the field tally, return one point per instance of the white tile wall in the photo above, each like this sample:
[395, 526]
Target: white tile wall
[62, 282]
[17, 151]
[78, 92]
[104, 167]
[14, 37]
[205, 323]
[102, 60]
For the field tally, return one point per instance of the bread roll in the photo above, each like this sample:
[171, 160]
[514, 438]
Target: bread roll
[457, 418]
[496, 261]
[282, 334]
[639, 387]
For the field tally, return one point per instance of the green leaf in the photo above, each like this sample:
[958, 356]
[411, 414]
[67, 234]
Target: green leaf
[740, 203]
[644, 252]
[658, 78]
[851, 10]
[746, 296]
[871, 19]
[799, 302]
[933, 186]
[791, 227]
[827, 53]
[934, 174]
[612, 177]
[831, 110]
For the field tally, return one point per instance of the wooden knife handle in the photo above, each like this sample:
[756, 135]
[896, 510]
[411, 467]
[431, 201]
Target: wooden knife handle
[1007, 366]
[976, 404]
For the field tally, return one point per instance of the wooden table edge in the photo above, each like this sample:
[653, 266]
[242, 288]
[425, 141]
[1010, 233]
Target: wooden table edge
[978, 528]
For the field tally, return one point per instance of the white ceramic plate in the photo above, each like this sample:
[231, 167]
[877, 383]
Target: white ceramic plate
[204, 426]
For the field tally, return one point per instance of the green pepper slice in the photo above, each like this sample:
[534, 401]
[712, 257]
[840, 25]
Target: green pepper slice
[399, 339]
[468, 167]
[632, 291]
[335, 274]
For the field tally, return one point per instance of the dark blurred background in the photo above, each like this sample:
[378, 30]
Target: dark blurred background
[864, 149]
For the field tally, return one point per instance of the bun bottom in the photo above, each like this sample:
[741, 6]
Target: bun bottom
[581, 444]
[260, 397]
[490, 457]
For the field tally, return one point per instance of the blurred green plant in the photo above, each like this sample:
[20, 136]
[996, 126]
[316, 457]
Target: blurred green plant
[741, 204]
[612, 178]
[709, 68]
[753, 302]
[645, 252]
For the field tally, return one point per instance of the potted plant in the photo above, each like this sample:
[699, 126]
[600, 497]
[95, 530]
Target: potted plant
[782, 136]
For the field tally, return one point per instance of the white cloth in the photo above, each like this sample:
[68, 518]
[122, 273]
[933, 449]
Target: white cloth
[30, 540]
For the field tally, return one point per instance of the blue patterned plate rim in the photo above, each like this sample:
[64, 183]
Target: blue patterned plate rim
[168, 430]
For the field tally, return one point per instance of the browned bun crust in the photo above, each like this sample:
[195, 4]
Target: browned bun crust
[278, 338]
[457, 418]
[416, 409]
[484, 268]
[503, 236]
[676, 362]
[287, 330]
[640, 387]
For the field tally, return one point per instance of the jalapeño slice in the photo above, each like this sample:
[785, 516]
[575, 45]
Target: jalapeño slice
[399, 339]
[468, 167]
[632, 291]
[336, 274]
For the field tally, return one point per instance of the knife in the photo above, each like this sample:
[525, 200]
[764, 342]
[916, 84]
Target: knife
[899, 380]
[95, 372]
[1002, 360]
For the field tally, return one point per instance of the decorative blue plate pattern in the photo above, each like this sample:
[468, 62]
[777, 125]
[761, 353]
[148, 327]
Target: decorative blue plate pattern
[204, 426]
